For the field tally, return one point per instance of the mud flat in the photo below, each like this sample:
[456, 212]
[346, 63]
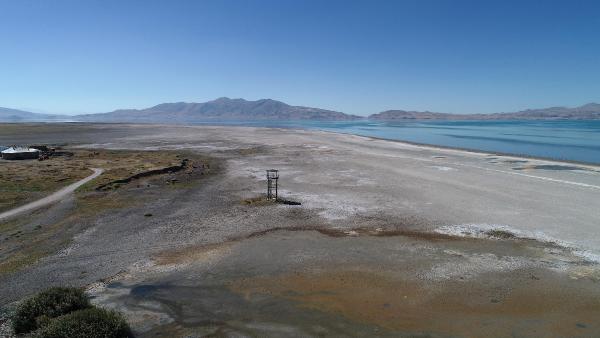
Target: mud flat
[310, 283]
[391, 239]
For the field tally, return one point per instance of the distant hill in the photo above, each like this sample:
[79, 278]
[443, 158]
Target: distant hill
[226, 109]
[413, 115]
[590, 111]
[220, 109]
[15, 115]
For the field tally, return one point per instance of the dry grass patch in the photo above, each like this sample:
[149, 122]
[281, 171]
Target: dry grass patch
[29, 180]
[258, 201]
[20, 260]
[25, 181]
[120, 164]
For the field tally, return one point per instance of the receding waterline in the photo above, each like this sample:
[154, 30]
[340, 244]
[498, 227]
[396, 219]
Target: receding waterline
[566, 140]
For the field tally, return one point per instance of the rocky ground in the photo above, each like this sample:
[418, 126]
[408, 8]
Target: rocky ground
[391, 239]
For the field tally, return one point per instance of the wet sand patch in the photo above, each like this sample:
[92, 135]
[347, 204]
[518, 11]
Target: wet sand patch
[305, 283]
[524, 306]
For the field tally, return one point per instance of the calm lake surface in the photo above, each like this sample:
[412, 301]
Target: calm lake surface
[561, 140]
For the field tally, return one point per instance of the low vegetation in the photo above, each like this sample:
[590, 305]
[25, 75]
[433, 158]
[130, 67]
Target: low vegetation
[257, 201]
[502, 234]
[89, 323]
[28, 180]
[263, 200]
[67, 313]
[48, 304]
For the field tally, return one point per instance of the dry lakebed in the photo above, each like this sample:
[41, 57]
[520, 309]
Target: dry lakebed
[390, 239]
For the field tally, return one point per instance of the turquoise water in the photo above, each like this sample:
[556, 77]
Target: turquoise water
[562, 140]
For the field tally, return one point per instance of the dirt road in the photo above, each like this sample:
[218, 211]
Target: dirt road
[57, 196]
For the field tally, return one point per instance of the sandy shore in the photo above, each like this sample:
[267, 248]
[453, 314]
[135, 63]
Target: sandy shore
[347, 175]
[479, 244]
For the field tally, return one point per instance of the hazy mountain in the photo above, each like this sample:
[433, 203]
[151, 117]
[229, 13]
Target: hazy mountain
[412, 115]
[590, 111]
[223, 109]
[15, 115]
[219, 109]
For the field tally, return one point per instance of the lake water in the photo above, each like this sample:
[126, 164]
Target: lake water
[561, 140]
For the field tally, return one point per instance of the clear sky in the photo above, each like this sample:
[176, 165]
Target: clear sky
[358, 57]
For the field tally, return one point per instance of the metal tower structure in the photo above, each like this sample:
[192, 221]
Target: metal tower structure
[272, 178]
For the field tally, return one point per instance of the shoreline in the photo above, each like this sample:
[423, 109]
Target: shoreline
[594, 165]
[483, 152]
[428, 145]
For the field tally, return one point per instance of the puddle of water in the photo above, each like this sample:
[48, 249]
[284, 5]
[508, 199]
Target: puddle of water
[208, 309]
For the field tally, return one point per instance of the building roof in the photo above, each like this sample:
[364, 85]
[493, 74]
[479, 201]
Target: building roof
[13, 150]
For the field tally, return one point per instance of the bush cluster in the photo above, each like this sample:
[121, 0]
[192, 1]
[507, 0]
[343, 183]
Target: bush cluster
[90, 323]
[40, 309]
[65, 313]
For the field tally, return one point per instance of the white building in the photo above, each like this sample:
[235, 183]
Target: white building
[20, 153]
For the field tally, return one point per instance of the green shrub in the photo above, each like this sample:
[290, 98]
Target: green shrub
[502, 234]
[39, 310]
[89, 323]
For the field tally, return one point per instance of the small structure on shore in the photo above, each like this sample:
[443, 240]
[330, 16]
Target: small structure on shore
[20, 153]
[272, 178]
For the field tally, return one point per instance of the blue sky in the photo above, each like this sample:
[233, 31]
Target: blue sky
[359, 57]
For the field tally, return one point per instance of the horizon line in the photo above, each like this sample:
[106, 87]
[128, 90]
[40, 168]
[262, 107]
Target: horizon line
[45, 112]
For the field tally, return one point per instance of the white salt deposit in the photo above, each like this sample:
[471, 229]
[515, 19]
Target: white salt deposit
[482, 231]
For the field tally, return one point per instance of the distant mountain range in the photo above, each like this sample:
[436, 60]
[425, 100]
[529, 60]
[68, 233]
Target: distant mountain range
[226, 109]
[15, 115]
[590, 111]
[220, 109]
